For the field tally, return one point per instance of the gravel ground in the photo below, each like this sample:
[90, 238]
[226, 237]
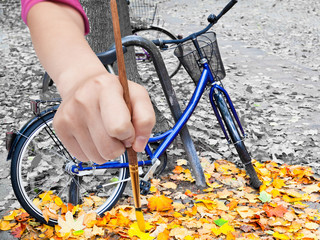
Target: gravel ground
[271, 53]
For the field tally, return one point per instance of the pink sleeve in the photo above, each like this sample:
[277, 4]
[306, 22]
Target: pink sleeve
[27, 4]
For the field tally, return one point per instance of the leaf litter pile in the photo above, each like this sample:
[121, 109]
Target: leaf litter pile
[283, 208]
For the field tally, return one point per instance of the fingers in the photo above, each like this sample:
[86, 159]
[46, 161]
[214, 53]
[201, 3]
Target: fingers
[95, 124]
[143, 116]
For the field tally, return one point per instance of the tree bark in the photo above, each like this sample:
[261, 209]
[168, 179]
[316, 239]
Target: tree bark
[101, 38]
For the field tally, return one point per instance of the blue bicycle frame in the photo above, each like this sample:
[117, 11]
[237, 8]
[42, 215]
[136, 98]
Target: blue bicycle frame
[169, 136]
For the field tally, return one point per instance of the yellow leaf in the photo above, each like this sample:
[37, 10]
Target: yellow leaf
[280, 236]
[46, 196]
[11, 216]
[275, 193]
[135, 231]
[58, 201]
[230, 236]
[207, 203]
[6, 225]
[224, 229]
[278, 183]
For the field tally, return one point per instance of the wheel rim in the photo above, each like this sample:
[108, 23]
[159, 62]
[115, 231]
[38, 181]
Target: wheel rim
[40, 168]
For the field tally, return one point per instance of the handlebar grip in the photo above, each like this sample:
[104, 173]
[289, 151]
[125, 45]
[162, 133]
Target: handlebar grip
[226, 9]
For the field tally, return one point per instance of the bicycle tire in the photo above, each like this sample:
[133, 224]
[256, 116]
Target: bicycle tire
[173, 65]
[39, 165]
[237, 140]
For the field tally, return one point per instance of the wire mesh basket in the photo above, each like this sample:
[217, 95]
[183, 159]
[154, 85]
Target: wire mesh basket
[142, 13]
[190, 59]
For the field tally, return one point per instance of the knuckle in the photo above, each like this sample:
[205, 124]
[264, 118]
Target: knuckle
[120, 131]
[148, 121]
[114, 153]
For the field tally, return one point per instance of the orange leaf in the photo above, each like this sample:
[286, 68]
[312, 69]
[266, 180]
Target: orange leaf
[233, 204]
[278, 183]
[164, 235]
[278, 211]
[178, 170]
[70, 207]
[189, 193]
[159, 203]
[103, 221]
[22, 217]
[48, 214]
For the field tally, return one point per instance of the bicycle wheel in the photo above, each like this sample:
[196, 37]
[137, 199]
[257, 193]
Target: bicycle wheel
[144, 60]
[236, 139]
[40, 171]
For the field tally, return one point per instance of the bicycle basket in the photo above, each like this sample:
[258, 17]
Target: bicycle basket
[189, 57]
[142, 13]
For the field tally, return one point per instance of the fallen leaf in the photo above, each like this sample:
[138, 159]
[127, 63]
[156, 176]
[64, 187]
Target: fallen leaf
[135, 231]
[264, 196]
[70, 224]
[18, 230]
[159, 203]
[278, 211]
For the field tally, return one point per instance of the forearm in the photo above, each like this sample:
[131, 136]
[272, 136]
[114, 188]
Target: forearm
[57, 32]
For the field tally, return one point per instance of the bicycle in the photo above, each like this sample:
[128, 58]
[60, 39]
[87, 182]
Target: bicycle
[144, 23]
[42, 168]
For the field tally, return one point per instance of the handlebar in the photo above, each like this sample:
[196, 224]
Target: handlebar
[212, 19]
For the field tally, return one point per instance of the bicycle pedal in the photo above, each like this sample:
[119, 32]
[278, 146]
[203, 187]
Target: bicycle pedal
[144, 187]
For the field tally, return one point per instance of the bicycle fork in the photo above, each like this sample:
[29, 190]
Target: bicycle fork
[217, 92]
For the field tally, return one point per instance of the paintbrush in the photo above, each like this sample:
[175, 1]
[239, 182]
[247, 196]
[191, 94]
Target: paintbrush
[133, 162]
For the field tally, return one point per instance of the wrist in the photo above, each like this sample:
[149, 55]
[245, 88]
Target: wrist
[69, 81]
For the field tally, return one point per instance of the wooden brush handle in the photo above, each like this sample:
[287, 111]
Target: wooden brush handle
[119, 51]
[122, 69]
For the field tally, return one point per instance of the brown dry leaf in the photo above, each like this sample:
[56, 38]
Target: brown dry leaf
[312, 225]
[224, 194]
[171, 185]
[90, 219]
[245, 212]
[311, 188]
[180, 233]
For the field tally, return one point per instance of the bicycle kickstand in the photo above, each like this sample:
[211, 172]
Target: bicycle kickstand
[144, 182]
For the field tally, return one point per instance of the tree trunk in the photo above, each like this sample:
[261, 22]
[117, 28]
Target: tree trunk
[101, 38]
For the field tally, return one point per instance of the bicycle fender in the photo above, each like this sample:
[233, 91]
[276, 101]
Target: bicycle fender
[20, 133]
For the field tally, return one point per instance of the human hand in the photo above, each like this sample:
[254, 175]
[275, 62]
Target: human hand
[94, 123]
